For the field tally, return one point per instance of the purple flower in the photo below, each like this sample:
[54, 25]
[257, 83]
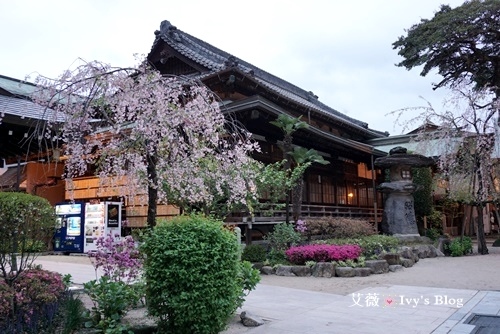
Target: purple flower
[301, 226]
[119, 260]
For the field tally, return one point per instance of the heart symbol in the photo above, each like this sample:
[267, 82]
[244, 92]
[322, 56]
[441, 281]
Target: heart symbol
[389, 301]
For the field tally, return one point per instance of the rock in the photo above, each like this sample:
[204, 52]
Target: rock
[415, 254]
[413, 239]
[377, 266]
[301, 271]
[407, 252]
[284, 271]
[250, 320]
[432, 251]
[423, 251]
[407, 263]
[267, 270]
[395, 267]
[323, 269]
[344, 271]
[139, 322]
[439, 253]
[258, 265]
[362, 271]
[425, 240]
[391, 258]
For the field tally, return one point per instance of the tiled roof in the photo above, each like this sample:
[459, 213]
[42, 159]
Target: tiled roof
[17, 101]
[8, 179]
[216, 60]
[24, 108]
[17, 87]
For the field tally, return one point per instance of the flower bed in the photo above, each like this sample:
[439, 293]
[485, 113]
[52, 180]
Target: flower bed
[322, 253]
[31, 303]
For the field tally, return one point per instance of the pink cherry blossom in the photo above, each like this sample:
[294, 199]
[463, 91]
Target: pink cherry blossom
[146, 133]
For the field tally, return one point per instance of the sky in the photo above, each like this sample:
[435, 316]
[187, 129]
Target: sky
[341, 50]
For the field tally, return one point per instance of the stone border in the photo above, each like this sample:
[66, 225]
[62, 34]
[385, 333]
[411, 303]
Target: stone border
[405, 257]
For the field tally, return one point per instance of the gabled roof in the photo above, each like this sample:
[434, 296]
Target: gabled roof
[215, 60]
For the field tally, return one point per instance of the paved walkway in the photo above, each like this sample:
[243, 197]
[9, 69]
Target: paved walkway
[391, 309]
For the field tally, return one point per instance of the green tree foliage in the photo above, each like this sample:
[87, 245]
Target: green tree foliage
[303, 158]
[25, 220]
[192, 274]
[274, 183]
[462, 43]
[460, 246]
[288, 125]
[422, 198]
[254, 253]
[282, 237]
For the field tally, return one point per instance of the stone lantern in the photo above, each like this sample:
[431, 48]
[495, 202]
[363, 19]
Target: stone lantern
[399, 212]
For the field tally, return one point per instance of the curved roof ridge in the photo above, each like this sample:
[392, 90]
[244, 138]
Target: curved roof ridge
[216, 59]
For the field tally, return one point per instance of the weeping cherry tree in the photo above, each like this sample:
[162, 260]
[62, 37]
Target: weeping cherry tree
[148, 134]
[468, 147]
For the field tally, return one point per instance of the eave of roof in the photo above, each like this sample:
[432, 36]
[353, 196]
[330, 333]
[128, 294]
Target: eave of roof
[337, 118]
[216, 60]
[25, 109]
[257, 101]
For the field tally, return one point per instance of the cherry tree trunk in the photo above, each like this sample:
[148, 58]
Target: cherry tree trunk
[481, 239]
[152, 191]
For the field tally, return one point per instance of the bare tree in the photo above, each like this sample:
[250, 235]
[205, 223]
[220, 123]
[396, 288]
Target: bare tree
[465, 142]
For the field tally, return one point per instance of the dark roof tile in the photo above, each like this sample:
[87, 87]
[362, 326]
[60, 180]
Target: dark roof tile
[215, 60]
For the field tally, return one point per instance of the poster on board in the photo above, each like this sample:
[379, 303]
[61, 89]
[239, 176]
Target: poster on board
[112, 218]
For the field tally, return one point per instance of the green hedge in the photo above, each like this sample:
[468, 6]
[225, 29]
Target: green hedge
[254, 253]
[191, 270]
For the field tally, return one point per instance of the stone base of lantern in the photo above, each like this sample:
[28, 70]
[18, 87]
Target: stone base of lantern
[412, 239]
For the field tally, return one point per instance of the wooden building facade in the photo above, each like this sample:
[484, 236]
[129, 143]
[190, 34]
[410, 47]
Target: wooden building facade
[255, 97]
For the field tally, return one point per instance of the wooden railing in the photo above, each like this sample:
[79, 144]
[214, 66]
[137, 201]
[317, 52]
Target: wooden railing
[308, 211]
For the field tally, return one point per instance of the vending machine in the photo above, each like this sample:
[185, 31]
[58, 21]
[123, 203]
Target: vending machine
[69, 236]
[101, 219]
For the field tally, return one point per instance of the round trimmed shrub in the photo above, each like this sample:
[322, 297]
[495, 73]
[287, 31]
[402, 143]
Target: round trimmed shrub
[253, 253]
[191, 271]
[27, 223]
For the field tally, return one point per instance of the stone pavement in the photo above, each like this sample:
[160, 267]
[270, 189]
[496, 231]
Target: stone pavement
[382, 309]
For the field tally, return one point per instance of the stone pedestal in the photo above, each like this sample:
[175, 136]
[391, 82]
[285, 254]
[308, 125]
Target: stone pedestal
[399, 213]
